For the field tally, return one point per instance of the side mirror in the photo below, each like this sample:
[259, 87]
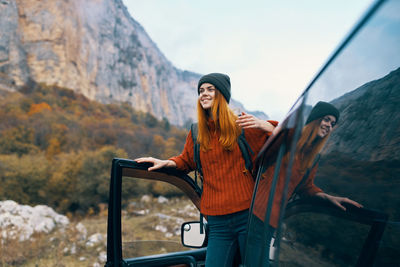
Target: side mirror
[192, 237]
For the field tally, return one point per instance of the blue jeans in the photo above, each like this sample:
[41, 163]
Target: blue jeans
[227, 233]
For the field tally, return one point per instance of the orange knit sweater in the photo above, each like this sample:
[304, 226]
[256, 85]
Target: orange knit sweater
[227, 185]
[308, 188]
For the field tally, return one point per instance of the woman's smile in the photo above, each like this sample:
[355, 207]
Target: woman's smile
[206, 95]
[327, 123]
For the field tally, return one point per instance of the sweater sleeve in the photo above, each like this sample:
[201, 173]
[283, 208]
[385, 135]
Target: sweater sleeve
[274, 123]
[309, 188]
[256, 138]
[185, 161]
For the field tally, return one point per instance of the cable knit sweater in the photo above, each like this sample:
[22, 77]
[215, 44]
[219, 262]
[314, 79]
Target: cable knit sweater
[308, 188]
[227, 185]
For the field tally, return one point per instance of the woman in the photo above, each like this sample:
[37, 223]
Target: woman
[227, 185]
[319, 125]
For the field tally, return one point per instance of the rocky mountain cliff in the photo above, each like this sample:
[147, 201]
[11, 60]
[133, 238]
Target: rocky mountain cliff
[372, 134]
[95, 48]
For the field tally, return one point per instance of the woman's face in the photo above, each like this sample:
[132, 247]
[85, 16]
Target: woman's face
[207, 95]
[326, 125]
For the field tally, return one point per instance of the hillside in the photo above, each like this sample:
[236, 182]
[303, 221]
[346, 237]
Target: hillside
[56, 146]
[362, 157]
[379, 141]
[96, 49]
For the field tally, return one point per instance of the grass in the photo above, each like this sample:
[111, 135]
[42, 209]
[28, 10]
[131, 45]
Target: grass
[159, 230]
[140, 236]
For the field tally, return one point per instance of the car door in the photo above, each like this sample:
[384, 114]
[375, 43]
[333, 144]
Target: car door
[360, 160]
[129, 221]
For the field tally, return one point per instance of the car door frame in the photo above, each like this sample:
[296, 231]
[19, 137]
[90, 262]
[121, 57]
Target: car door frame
[128, 168]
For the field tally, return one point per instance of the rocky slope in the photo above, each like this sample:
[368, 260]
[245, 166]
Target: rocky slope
[372, 134]
[93, 47]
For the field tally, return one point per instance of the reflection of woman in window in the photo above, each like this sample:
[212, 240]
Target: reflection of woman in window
[227, 185]
[319, 125]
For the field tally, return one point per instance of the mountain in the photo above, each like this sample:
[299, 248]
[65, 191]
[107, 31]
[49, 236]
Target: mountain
[95, 48]
[379, 142]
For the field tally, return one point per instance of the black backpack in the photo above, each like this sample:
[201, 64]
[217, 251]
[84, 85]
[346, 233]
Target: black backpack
[243, 145]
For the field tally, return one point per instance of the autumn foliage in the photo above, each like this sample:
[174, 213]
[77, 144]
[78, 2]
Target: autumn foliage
[56, 146]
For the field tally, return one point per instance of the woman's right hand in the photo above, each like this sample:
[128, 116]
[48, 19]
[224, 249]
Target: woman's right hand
[249, 121]
[157, 163]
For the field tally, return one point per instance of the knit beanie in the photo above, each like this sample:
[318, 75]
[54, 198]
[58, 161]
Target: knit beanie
[221, 81]
[322, 109]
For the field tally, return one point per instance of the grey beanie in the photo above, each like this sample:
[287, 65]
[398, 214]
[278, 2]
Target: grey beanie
[322, 109]
[221, 81]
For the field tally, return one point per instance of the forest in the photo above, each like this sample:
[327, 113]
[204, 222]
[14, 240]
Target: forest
[56, 146]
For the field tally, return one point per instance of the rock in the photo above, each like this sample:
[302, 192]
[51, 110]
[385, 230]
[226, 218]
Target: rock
[162, 200]
[168, 235]
[141, 212]
[381, 143]
[145, 199]
[102, 256]
[81, 230]
[73, 249]
[21, 221]
[161, 228]
[94, 240]
[70, 250]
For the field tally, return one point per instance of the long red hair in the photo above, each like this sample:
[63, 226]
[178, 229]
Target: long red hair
[310, 144]
[224, 119]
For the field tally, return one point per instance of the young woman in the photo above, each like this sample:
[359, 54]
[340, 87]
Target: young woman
[227, 185]
[315, 133]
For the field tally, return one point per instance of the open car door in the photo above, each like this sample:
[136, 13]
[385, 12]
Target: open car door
[124, 169]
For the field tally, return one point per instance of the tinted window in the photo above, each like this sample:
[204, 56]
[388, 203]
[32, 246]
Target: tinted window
[270, 187]
[359, 160]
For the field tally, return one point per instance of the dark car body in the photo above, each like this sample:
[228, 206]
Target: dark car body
[361, 161]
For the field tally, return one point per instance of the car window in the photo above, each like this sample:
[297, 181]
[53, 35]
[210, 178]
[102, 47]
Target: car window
[308, 240]
[361, 158]
[358, 160]
[151, 216]
[273, 162]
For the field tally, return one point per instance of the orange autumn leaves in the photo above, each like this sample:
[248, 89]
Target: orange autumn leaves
[37, 108]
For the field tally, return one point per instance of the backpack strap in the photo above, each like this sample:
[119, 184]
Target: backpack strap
[196, 154]
[194, 128]
[246, 151]
[242, 142]
[196, 148]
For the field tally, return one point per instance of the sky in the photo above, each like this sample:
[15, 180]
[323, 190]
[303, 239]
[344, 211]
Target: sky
[270, 49]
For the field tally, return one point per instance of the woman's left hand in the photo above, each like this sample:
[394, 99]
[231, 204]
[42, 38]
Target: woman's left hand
[249, 121]
[338, 201]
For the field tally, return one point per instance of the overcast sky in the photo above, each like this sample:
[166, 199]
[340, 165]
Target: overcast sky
[270, 49]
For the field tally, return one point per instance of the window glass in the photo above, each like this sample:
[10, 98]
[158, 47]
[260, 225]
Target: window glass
[347, 146]
[151, 217]
[301, 241]
[269, 189]
[389, 247]
[358, 155]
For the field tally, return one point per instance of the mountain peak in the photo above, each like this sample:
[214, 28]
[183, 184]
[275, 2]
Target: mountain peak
[96, 49]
